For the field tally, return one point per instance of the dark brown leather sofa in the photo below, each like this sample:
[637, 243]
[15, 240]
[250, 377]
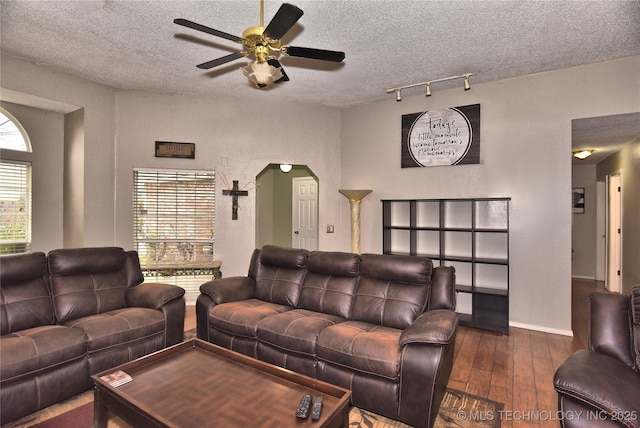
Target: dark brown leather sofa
[73, 313]
[382, 326]
[600, 387]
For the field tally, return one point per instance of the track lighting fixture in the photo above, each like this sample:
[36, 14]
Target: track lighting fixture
[428, 83]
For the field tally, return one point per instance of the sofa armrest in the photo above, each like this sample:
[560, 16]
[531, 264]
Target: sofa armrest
[231, 289]
[609, 326]
[603, 383]
[152, 295]
[443, 288]
[437, 327]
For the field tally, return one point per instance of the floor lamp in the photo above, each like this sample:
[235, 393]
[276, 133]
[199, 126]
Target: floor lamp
[355, 197]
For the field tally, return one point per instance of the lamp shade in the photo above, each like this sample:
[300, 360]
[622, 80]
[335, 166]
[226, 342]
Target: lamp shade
[261, 74]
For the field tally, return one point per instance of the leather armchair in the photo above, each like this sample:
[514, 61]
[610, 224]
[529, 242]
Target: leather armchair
[600, 387]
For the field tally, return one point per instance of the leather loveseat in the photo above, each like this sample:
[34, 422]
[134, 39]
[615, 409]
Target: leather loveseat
[600, 387]
[73, 313]
[381, 326]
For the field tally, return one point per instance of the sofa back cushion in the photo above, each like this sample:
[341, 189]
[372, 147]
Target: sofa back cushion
[25, 301]
[393, 290]
[87, 281]
[330, 284]
[635, 325]
[280, 274]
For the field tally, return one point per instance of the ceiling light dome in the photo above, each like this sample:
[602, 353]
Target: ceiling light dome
[582, 154]
[262, 74]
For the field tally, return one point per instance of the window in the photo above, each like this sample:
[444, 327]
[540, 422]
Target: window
[174, 214]
[15, 188]
[15, 207]
[12, 134]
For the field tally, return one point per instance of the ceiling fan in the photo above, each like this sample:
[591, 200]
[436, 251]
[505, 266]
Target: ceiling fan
[263, 43]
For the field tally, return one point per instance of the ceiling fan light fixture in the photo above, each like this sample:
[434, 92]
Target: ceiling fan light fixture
[582, 154]
[261, 74]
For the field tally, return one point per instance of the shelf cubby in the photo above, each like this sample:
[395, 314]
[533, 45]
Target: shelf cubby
[471, 235]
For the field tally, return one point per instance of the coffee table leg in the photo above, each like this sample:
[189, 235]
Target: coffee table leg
[100, 411]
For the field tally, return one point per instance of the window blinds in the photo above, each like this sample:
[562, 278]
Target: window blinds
[15, 207]
[174, 213]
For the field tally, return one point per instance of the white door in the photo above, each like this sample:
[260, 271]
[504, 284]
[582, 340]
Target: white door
[614, 236]
[601, 231]
[305, 213]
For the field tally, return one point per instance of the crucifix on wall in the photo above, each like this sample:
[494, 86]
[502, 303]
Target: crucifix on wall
[235, 192]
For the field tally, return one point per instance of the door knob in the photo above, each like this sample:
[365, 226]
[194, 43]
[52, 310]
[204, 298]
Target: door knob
[296, 232]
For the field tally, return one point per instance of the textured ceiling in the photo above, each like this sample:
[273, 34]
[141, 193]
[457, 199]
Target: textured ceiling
[135, 44]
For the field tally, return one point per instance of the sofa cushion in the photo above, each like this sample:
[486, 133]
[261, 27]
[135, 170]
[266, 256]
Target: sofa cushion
[280, 275]
[330, 283]
[362, 347]
[242, 318]
[87, 281]
[39, 349]
[635, 325]
[118, 327]
[25, 301]
[393, 290]
[296, 330]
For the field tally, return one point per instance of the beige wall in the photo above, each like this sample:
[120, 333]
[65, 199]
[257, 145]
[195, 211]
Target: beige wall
[39, 87]
[525, 154]
[247, 138]
[583, 228]
[627, 162]
[46, 132]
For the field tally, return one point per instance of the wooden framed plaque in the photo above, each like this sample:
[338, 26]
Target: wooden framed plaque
[166, 149]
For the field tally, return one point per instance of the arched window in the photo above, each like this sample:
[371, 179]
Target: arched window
[12, 134]
[15, 188]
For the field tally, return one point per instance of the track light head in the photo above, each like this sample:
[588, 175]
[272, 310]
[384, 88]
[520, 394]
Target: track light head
[398, 95]
[428, 93]
[467, 86]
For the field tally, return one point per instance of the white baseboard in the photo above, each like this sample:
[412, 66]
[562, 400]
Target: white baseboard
[541, 328]
[588, 278]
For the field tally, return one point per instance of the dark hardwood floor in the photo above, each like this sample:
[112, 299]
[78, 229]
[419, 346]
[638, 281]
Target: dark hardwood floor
[517, 369]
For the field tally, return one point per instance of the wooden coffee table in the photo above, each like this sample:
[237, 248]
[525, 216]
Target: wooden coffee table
[198, 384]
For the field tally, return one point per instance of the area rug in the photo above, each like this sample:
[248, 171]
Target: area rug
[457, 409]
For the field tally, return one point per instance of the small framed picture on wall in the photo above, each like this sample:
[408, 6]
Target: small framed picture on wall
[577, 200]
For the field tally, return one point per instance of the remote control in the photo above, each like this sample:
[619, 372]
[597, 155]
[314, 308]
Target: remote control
[303, 408]
[317, 408]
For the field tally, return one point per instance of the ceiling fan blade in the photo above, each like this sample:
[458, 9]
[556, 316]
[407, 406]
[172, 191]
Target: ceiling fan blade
[275, 63]
[282, 21]
[199, 27]
[222, 60]
[321, 54]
